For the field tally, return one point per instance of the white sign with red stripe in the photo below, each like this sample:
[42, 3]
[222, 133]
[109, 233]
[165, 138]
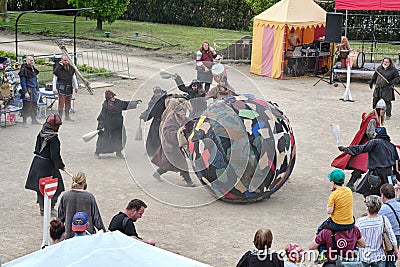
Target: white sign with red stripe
[51, 187]
[48, 185]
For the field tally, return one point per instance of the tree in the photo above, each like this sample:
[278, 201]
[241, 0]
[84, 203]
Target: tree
[3, 9]
[259, 6]
[103, 10]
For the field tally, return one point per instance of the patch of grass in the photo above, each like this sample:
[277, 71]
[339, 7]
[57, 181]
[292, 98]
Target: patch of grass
[186, 39]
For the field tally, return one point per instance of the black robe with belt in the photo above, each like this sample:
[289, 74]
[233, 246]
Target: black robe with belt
[113, 138]
[46, 163]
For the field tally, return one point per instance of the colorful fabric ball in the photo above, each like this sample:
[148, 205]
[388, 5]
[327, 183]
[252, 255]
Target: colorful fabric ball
[242, 148]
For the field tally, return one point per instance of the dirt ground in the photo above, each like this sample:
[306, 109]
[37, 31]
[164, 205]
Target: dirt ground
[179, 219]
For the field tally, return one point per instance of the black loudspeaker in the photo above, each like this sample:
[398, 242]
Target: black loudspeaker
[333, 28]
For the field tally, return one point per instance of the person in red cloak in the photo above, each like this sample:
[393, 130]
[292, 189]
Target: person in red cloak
[358, 163]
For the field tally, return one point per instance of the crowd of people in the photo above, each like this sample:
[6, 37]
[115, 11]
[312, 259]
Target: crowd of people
[371, 151]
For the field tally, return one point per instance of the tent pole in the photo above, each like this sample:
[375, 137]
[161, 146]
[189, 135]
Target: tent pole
[283, 53]
[345, 24]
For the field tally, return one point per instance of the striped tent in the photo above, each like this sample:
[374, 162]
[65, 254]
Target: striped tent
[271, 27]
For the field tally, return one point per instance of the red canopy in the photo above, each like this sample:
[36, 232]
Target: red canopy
[367, 4]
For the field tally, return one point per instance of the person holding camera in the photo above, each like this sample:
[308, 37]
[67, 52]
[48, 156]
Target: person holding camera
[112, 135]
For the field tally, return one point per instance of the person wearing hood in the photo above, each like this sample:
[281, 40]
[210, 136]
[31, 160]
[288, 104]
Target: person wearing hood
[47, 161]
[195, 94]
[169, 156]
[385, 76]
[30, 90]
[358, 163]
[382, 157]
[112, 136]
[153, 139]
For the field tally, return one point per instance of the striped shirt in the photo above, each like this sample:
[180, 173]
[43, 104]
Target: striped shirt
[372, 229]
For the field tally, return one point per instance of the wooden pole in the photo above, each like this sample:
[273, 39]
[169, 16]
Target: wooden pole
[78, 73]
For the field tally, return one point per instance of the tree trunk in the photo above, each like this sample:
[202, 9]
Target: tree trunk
[99, 24]
[3, 9]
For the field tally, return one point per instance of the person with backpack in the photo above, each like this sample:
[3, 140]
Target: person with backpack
[124, 221]
[391, 209]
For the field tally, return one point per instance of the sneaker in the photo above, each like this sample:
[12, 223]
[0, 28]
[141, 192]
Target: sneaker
[157, 176]
[120, 155]
[96, 156]
[321, 259]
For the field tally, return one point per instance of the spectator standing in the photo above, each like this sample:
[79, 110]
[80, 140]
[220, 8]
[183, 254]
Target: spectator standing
[30, 90]
[372, 227]
[64, 83]
[124, 221]
[78, 199]
[391, 209]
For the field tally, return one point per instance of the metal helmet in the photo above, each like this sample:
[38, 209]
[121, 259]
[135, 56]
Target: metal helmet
[381, 104]
[157, 90]
[54, 119]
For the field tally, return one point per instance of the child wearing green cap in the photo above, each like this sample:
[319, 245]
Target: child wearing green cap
[340, 206]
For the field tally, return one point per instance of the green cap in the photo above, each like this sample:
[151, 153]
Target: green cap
[337, 176]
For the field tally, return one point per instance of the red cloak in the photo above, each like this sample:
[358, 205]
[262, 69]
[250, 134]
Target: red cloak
[359, 162]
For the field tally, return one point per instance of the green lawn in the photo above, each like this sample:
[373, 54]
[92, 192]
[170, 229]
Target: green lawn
[185, 39]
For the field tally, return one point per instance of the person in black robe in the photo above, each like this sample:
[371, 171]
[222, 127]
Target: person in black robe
[153, 138]
[112, 136]
[47, 161]
[195, 94]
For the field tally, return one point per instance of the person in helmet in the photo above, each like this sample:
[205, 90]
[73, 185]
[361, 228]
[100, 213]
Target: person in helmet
[153, 138]
[112, 136]
[47, 161]
[196, 95]
[382, 158]
[358, 163]
[385, 76]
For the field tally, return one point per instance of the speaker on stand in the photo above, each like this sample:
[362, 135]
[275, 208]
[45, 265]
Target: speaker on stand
[333, 34]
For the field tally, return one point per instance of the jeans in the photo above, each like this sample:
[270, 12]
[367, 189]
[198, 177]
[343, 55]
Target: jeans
[390, 260]
[374, 264]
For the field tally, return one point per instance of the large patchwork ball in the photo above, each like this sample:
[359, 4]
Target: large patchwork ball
[242, 148]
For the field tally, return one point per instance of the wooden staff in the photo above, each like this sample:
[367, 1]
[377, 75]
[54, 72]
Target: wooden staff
[78, 73]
